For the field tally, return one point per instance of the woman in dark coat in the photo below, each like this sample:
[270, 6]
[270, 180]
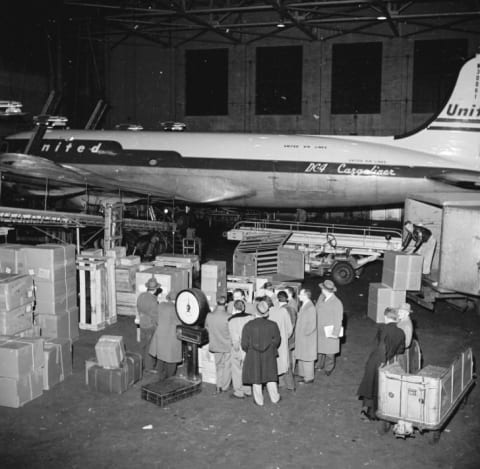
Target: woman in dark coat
[389, 341]
[260, 341]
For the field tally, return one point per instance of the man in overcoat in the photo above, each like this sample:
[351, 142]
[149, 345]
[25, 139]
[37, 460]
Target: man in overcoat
[306, 337]
[147, 318]
[260, 341]
[280, 315]
[329, 324]
[165, 345]
[236, 323]
[216, 323]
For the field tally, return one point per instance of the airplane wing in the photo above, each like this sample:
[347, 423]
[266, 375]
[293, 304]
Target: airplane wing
[459, 178]
[215, 190]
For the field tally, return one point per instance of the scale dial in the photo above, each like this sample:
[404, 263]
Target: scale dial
[192, 307]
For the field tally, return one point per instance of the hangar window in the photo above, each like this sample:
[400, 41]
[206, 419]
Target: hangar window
[356, 78]
[279, 80]
[436, 64]
[206, 81]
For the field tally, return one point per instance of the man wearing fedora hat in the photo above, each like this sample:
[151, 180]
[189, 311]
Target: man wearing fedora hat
[147, 310]
[329, 324]
[260, 341]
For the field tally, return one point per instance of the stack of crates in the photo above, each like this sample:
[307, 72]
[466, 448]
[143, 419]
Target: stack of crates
[214, 281]
[53, 269]
[401, 272]
[113, 370]
[21, 370]
[125, 284]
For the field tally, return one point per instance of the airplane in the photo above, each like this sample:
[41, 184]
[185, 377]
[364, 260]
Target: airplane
[262, 170]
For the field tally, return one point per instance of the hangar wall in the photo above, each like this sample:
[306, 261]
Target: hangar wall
[146, 85]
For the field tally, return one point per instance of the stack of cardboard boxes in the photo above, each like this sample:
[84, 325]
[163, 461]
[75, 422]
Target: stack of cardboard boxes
[53, 269]
[21, 370]
[214, 281]
[113, 370]
[38, 317]
[401, 272]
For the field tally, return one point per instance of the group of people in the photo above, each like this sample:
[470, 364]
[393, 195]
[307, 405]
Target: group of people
[279, 340]
[268, 342]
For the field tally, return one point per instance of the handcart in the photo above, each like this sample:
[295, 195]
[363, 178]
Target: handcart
[424, 401]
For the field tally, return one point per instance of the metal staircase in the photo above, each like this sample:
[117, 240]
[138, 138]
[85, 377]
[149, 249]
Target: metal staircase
[257, 255]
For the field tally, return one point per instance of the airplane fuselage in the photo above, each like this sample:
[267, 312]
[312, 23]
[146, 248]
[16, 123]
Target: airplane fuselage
[250, 170]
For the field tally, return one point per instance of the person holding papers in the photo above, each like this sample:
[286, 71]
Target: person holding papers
[329, 327]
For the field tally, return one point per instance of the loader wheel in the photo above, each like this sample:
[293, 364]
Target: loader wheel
[435, 437]
[343, 273]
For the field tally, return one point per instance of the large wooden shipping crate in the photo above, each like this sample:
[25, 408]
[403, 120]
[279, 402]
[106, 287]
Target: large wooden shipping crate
[424, 398]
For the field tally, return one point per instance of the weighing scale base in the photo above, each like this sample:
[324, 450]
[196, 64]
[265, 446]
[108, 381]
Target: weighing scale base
[173, 389]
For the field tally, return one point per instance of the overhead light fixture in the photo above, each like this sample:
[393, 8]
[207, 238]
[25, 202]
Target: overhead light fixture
[280, 24]
[381, 18]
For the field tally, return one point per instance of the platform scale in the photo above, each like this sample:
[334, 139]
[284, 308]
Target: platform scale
[192, 308]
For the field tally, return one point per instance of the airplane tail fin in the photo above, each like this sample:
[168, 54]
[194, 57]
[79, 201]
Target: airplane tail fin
[454, 133]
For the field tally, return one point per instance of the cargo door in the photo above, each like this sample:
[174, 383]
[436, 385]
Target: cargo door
[460, 250]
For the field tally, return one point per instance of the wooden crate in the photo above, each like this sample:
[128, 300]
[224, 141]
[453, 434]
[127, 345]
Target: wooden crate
[425, 398]
[93, 293]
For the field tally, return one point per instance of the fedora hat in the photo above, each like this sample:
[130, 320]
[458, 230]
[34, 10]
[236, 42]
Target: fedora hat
[328, 285]
[152, 283]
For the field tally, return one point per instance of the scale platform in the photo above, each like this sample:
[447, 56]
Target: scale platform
[173, 389]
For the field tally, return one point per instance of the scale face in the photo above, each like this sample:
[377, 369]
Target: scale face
[188, 307]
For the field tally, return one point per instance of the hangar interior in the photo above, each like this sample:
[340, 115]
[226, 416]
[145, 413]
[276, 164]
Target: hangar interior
[73, 392]
[330, 67]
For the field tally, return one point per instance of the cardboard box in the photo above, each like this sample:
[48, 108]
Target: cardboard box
[110, 351]
[50, 261]
[206, 365]
[15, 290]
[19, 356]
[16, 320]
[381, 296]
[215, 269]
[58, 361]
[73, 321]
[402, 271]
[11, 258]
[171, 280]
[15, 392]
[54, 325]
[33, 331]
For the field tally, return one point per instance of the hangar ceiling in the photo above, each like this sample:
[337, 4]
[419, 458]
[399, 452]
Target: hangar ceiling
[173, 23]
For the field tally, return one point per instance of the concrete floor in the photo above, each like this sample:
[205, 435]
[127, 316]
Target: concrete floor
[316, 427]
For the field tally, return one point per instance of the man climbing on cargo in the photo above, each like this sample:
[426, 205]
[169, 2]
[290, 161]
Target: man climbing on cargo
[424, 243]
